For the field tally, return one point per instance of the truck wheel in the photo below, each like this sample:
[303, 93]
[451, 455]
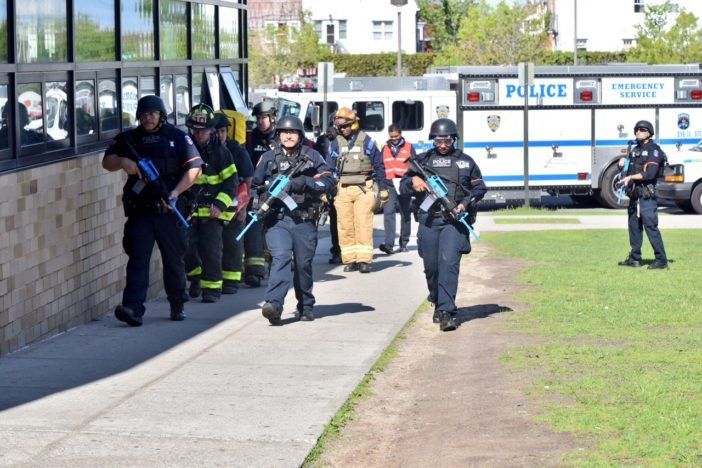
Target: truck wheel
[608, 192]
[684, 205]
[696, 199]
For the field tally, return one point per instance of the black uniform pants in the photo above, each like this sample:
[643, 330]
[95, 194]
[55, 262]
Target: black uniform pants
[648, 221]
[291, 238]
[254, 246]
[141, 231]
[232, 252]
[335, 250]
[397, 203]
[203, 261]
[441, 245]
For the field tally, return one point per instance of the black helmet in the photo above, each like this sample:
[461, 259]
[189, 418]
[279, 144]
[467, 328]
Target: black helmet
[443, 127]
[290, 122]
[151, 103]
[263, 108]
[221, 121]
[201, 116]
[644, 124]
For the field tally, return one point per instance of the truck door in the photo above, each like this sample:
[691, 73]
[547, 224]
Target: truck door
[678, 128]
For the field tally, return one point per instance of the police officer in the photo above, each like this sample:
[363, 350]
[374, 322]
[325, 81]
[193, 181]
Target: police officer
[292, 234]
[646, 163]
[261, 139]
[149, 220]
[216, 189]
[443, 240]
[233, 251]
[359, 165]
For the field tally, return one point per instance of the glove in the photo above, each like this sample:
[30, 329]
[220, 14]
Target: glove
[384, 196]
[242, 196]
[298, 184]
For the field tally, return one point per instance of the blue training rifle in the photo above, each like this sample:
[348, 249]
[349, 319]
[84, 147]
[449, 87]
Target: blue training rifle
[625, 169]
[437, 191]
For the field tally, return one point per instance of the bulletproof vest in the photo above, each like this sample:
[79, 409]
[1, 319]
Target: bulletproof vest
[639, 156]
[354, 163]
[283, 163]
[447, 168]
[260, 143]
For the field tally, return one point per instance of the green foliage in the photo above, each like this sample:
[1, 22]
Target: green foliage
[380, 64]
[443, 19]
[618, 349]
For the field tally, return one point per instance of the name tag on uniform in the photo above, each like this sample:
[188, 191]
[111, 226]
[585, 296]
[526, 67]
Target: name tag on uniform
[441, 162]
[644, 153]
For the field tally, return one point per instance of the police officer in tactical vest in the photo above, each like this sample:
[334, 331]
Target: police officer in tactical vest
[646, 164]
[232, 250]
[216, 189]
[359, 166]
[442, 239]
[149, 219]
[291, 234]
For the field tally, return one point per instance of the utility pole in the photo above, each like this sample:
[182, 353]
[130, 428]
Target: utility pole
[399, 4]
[575, 32]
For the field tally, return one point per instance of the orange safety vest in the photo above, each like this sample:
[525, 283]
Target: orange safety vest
[396, 166]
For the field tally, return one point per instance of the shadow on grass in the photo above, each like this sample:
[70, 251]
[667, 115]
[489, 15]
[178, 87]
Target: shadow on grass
[466, 314]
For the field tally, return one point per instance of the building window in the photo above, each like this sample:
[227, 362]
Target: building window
[629, 43]
[582, 44]
[137, 30]
[330, 33]
[41, 31]
[86, 121]
[371, 115]
[167, 93]
[228, 33]
[182, 98]
[382, 30]
[408, 115]
[639, 6]
[130, 97]
[342, 29]
[107, 103]
[3, 31]
[318, 29]
[95, 30]
[203, 31]
[5, 120]
[57, 122]
[173, 21]
[31, 113]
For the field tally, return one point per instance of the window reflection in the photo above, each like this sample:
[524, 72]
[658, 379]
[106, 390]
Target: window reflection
[167, 96]
[228, 33]
[107, 101]
[137, 30]
[85, 107]
[147, 86]
[213, 86]
[58, 124]
[129, 101]
[41, 31]
[3, 32]
[173, 19]
[5, 118]
[30, 111]
[182, 98]
[197, 87]
[203, 31]
[95, 30]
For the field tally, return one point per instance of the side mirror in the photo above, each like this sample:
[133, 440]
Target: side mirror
[315, 115]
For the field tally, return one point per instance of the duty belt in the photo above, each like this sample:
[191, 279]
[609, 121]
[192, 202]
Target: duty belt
[309, 214]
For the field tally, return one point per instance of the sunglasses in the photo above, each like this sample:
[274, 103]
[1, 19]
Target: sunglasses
[640, 129]
[344, 125]
[443, 141]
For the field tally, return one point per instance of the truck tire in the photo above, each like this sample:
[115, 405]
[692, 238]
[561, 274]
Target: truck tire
[696, 199]
[607, 195]
[684, 205]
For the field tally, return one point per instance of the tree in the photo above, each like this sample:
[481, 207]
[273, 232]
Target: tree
[657, 42]
[278, 52]
[500, 35]
[443, 19]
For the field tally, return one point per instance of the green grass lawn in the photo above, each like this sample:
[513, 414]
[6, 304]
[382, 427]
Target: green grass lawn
[524, 211]
[620, 353]
[515, 220]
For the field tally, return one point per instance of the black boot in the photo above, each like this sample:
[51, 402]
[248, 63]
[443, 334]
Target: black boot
[386, 248]
[271, 312]
[195, 289]
[335, 259]
[630, 262]
[447, 322]
[306, 315]
[230, 287]
[210, 295]
[436, 318]
[364, 267]
[128, 316]
[658, 265]
[253, 281]
[177, 314]
[351, 267]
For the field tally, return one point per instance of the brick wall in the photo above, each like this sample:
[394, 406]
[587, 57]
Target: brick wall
[61, 257]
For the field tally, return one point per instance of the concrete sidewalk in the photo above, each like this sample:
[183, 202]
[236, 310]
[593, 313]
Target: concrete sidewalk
[222, 388]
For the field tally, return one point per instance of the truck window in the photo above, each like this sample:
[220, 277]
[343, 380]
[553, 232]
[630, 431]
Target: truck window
[331, 108]
[409, 115]
[371, 114]
[286, 107]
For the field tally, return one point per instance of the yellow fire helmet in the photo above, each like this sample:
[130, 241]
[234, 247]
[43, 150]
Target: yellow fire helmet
[346, 115]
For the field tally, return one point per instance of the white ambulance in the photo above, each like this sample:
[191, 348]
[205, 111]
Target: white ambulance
[683, 179]
[580, 122]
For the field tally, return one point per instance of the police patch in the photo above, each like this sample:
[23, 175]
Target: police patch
[493, 122]
[463, 164]
[683, 121]
[284, 165]
[441, 162]
[188, 140]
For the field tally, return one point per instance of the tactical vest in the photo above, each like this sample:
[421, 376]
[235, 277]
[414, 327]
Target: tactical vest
[447, 168]
[283, 163]
[354, 164]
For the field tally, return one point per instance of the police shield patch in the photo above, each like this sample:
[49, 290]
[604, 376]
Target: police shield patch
[493, 122]
[683, 121]
[284, 165]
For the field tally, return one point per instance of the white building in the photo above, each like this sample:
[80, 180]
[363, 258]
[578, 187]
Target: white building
[604, 25]
[364, 26]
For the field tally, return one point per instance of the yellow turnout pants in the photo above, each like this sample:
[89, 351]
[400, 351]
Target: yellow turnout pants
[354, 211]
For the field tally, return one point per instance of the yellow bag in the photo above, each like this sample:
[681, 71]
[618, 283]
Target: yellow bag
[237, 129]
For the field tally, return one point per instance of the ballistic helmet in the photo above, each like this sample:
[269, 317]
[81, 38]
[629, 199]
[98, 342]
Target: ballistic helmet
[443, 127]
[151, 103]
[644, 124]
[201, 116]
[290, 122]
[221, 121]
[264, 108]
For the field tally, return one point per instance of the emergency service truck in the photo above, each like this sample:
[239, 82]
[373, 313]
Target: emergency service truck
[683, 179]
[580, 122]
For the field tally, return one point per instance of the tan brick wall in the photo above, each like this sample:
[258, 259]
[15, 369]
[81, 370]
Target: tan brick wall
[61, 257]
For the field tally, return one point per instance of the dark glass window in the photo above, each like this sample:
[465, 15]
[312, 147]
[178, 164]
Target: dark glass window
[86, 123]
[167, 96]
[197, 87]
[58, 125]
[107, 101]
[130, 97]
[41, 31]
[3, 32]
[203, 31]
[137, 30]
[371, 115]
[228, 33]
[232, 88]
[5, 119]
[95, 30]
[173, 21]
[182, 98]
[331, 108]
[213, 88]
[409, 115]
[30, 110]
[147, 86]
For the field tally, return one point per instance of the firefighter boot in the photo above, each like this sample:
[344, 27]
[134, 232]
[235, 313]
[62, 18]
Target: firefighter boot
[195, 289]
[177, 314]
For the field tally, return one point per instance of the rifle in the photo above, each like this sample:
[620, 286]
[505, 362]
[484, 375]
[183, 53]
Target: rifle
[437, 192]
[622, 174]
[151, 175]
[276, 191]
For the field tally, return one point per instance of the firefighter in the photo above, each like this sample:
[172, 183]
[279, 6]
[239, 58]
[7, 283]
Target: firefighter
[233, 251]
[647, 161]
[216, 189]
[359, 165]
[262, 138]
[441, 238]
[291, 234]
[396, 154]
[149, 220]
